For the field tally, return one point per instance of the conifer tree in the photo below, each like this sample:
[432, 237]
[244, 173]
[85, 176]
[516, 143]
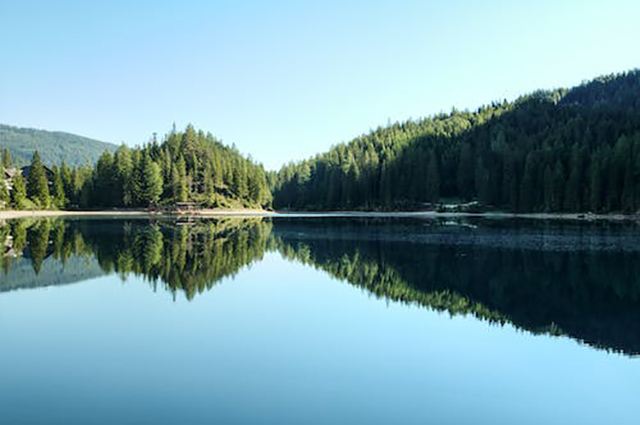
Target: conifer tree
[6, 158]
[4, 191]
[58, 188]
[151, 181]
[18, 192]
[37, 185]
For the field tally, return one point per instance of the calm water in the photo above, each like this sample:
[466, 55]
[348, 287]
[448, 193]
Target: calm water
[309, 321]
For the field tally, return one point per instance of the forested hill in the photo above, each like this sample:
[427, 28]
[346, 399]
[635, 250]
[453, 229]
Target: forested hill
[53, 146]
[187, 166]
[573, 150]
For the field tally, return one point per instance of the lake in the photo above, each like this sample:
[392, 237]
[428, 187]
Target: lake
[319, 320]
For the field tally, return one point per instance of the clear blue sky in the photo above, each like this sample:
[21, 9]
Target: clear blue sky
[284, 80]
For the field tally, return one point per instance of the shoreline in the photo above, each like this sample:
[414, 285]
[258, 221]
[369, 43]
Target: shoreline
[491, 215]
[14, 214]
[11, 214]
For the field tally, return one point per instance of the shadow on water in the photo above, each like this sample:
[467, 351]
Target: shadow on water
[558, 278]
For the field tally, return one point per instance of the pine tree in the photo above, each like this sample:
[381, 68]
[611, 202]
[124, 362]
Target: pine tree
[465, 172]
[179, 180]
[433, 178]
[58, 189]
[151, 181]
[123, 169]
[67, 181]
[123, 162]
[37, 184]
[510, 187]
[596, 185]
[105, 182]
[4, 191]
[528, 185]
[6, 158]
[574, 187]
[18, 192]
[482, 183]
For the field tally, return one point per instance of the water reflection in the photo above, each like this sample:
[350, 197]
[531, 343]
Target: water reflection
[182, 257]
[579, 280]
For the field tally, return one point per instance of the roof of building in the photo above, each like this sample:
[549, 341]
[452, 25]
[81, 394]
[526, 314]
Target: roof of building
[26, 169]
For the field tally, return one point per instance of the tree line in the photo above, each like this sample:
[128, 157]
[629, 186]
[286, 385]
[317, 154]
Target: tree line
[188, 166]
[564, 150]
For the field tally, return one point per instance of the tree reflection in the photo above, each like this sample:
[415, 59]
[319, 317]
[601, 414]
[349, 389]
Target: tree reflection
[589, 289]
[560, 279]
[184, 258]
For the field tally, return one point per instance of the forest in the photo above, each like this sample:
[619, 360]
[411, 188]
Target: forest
[563, 150]
[188, 166]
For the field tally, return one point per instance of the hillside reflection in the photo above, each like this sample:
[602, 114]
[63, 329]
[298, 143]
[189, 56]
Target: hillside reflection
[578, 280]
[181, 257]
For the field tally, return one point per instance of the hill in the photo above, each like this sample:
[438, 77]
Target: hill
[572, 150]
[53, 146]
[188, 166]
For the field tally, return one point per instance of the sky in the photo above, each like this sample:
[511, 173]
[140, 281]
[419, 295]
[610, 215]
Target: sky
[284, 80]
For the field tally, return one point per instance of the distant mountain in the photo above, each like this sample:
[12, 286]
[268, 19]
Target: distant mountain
[53, 146]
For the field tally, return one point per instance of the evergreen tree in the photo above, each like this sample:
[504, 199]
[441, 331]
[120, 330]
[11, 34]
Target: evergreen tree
[105, 181]
[4, 191]
[465, 176]
[596, 186]
[58, 188]
[433, 178]
[483, 188]
[179, 180]
[6, 158]
[67, 182]
[123, 163]
[37, 184]
[18, 192]
[561, 150]
[151, 182]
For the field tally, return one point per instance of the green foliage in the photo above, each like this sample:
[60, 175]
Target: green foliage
[189, 166]
[179, 188]
[4, 195]
[19, 193]
[58, 194]
[552, 151]
[37, 183]
[6, 158]
[4, 191]
[123, 163]
[151, 182]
